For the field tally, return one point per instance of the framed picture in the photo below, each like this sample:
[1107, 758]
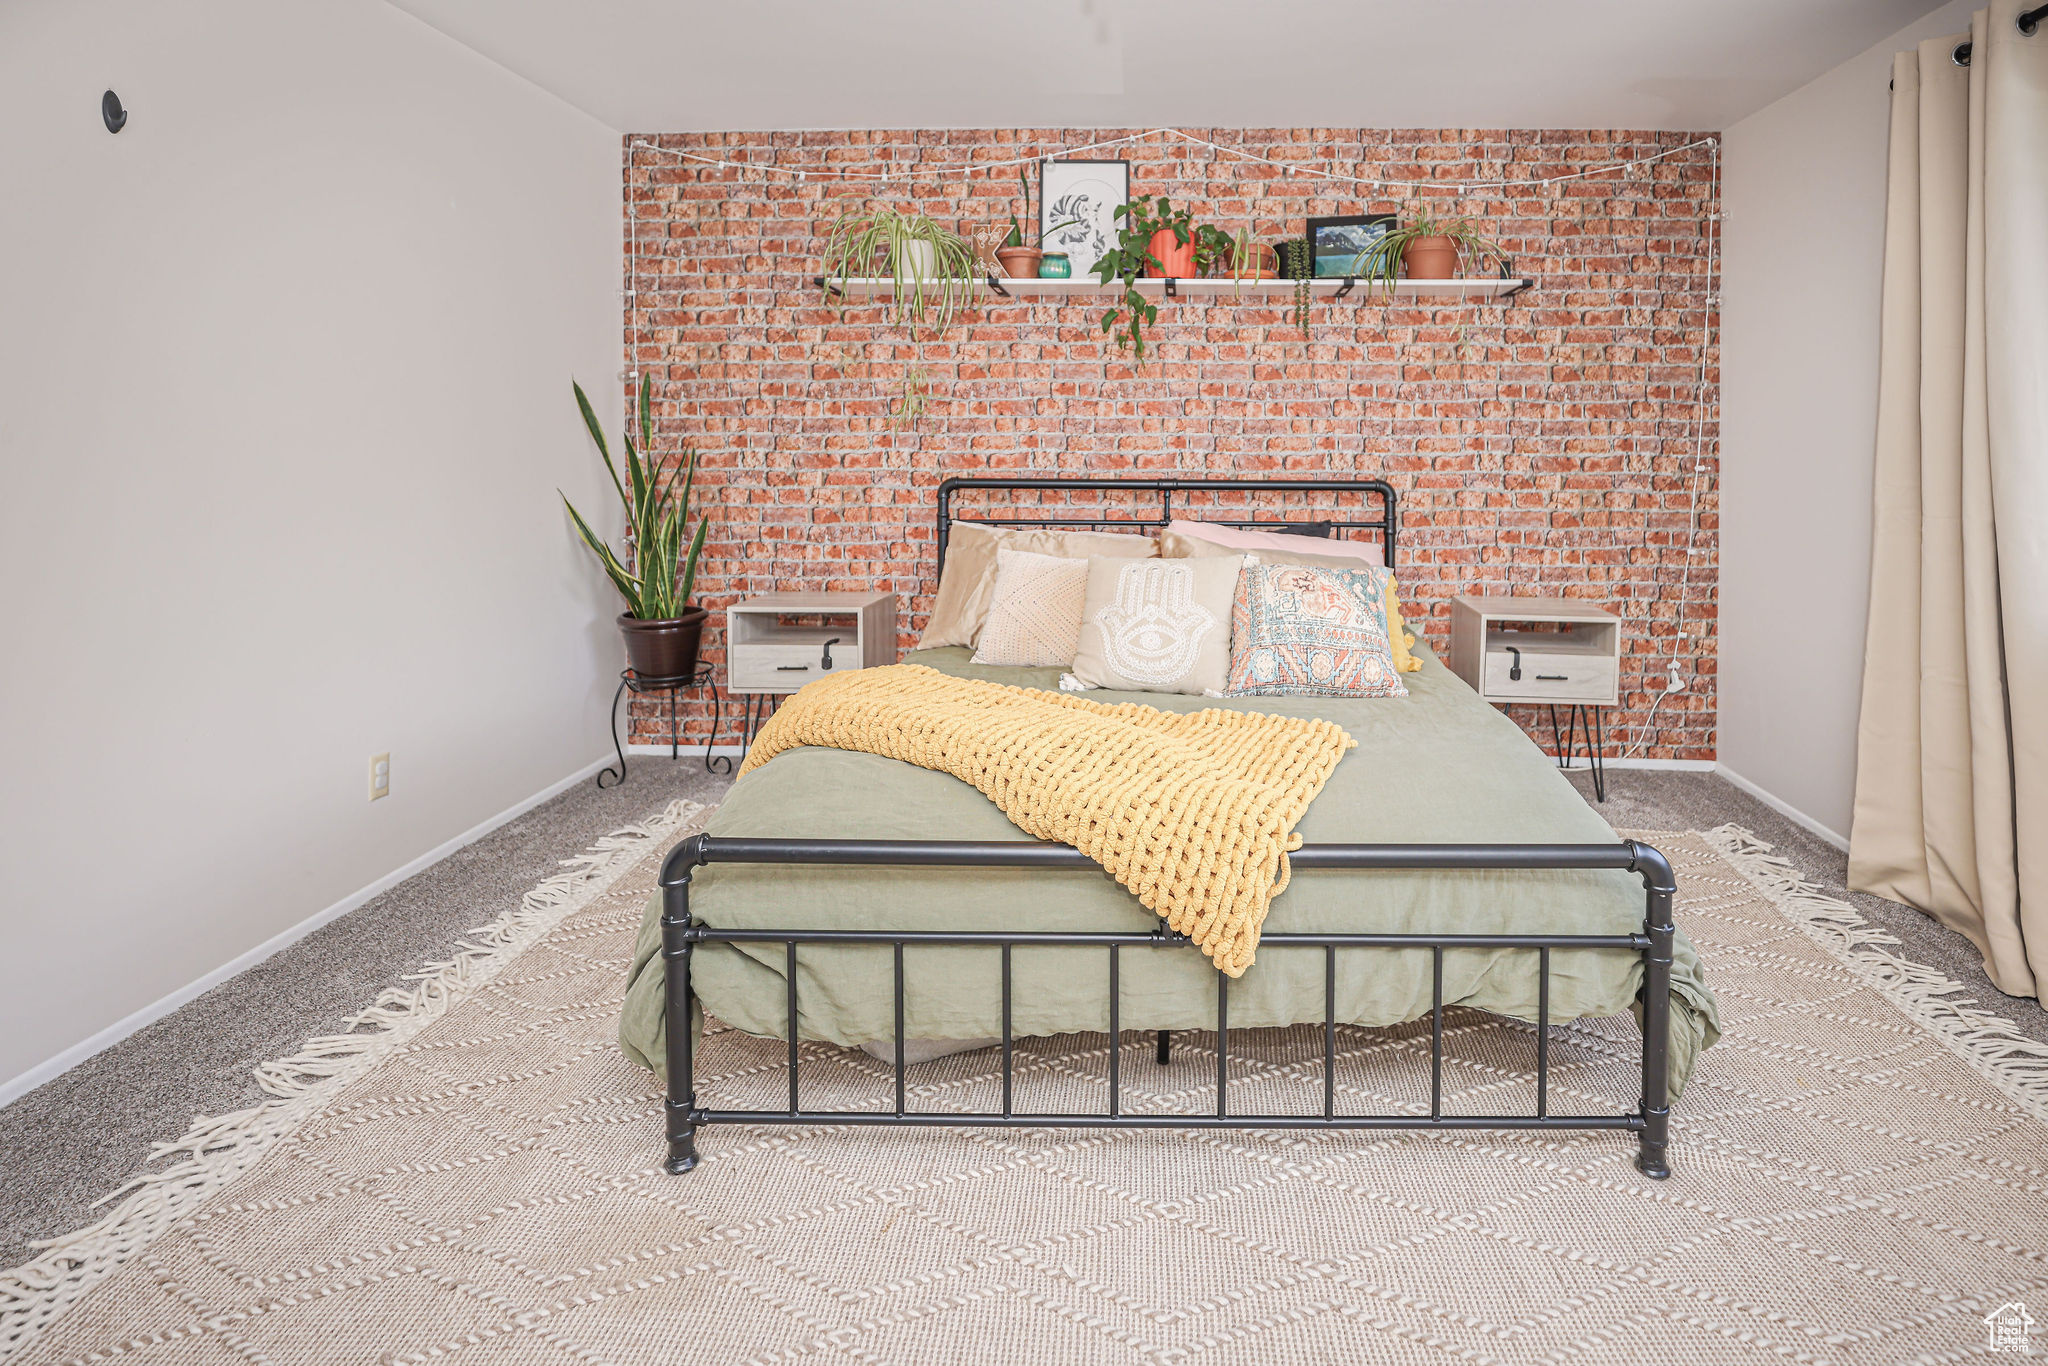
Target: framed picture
[1334, 243]
[1088, 192]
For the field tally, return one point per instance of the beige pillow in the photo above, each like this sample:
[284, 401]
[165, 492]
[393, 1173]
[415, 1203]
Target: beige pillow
[1034, 614]
[969, 579]
[1176, 545]
[1157, 625]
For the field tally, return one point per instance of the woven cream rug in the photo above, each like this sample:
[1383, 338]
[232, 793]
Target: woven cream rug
[471, 1177]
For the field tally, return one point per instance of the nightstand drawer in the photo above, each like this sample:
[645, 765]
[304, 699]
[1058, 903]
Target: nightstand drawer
[1551, 677]
[776, 667]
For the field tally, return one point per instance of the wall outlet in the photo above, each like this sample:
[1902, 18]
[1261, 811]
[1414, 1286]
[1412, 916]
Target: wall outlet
[380, 776]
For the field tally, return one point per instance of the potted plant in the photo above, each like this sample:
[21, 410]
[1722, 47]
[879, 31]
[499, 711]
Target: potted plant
[661, 628]
[1297, 263]
[1425, 248]
[1222, 255]
[1147, 226]
[930, 267]
[1021, 261]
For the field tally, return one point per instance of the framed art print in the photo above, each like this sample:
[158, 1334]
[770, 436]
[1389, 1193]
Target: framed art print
[1334, 243]
[1086, 191]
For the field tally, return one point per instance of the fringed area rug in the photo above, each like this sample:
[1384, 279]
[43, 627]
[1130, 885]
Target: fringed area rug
[472, 1176]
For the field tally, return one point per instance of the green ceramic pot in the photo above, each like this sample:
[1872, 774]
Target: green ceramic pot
[1055, 266]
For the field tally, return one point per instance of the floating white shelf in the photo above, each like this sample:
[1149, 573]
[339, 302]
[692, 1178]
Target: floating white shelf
[1476, 287]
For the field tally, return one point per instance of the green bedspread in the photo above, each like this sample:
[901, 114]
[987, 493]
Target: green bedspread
[1436, 766]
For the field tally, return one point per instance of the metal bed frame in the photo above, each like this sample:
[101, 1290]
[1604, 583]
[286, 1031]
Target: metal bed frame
[681, 935]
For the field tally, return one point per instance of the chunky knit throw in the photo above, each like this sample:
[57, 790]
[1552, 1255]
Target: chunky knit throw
[1193, 813]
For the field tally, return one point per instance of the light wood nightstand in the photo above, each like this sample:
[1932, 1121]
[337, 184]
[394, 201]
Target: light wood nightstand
[777, 642]
[1557, 651]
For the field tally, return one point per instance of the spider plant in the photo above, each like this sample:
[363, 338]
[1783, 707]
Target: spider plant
[657, 505]
[931, 267]
[911, 400]
[1380, 263]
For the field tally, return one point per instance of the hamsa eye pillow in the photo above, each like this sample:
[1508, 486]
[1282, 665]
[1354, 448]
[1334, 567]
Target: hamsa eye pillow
[1157, 625]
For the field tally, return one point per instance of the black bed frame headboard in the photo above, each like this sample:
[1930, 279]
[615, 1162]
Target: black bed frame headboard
[1386, 524]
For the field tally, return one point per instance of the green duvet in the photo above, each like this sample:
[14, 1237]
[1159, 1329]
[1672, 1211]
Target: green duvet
[1436, 766]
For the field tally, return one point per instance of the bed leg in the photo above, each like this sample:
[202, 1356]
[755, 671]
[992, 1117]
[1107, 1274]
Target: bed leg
[1660, 886]
[679, 1110]
[1165, 1046]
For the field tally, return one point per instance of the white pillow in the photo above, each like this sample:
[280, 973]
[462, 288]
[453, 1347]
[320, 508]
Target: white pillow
[1034, 612]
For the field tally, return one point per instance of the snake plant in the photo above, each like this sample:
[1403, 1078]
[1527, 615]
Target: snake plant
[657, 505]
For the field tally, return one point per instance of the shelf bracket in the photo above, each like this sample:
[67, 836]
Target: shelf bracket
[1350, 283]
[819, 282]
[997, 286]
[1172, 288]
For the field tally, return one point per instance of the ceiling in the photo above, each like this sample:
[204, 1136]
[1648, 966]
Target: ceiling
[663, 66]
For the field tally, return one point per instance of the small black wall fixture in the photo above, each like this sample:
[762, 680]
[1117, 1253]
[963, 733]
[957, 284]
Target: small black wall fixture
[112, 112]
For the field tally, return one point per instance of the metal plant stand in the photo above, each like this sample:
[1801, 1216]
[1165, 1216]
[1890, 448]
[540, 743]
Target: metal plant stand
[680, 683]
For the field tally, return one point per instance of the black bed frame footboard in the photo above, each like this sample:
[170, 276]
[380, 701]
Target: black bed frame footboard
[1651, 1121]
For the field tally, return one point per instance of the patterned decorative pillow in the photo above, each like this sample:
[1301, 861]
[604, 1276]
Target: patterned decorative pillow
[1034, 614]
[1312, 631]
[1157, 625]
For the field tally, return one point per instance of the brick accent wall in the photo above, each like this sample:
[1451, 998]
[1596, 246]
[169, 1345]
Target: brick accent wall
[1544, 444]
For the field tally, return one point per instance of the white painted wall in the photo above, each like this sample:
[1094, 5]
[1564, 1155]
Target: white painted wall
[284, 402]
[1804, 187]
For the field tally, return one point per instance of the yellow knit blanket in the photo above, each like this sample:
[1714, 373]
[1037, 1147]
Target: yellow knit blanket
[1193, 813]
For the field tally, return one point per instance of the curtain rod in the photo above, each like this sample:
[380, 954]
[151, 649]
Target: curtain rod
[2029, 20]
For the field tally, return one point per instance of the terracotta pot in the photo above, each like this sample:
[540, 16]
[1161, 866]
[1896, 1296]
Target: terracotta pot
[1020, 263]
[666, 648]
[1265, 263]
[1177, 256]
[1430, 258]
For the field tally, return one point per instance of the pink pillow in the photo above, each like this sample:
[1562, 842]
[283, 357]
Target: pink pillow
[1238, 538]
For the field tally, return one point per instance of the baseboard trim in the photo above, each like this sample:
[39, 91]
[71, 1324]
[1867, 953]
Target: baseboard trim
[57, 1066]
[1782, 807]
[1665, 765]
[660, 750]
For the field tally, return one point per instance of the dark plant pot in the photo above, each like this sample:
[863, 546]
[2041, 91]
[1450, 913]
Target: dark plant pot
[1430, 258]
[665, 648]
[1019, 263]
[1176, 256]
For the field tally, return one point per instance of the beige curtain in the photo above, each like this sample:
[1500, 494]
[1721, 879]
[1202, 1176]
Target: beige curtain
[1952, 748]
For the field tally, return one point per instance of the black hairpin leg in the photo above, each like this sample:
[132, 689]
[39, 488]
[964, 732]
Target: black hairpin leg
[617, 775]
[1582, 720]
[711, 761]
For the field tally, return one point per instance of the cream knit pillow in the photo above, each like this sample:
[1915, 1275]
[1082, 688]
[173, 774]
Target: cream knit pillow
[1034, 614]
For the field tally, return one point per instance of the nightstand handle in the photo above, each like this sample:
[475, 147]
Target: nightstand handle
[792, 668]
[1553, 678]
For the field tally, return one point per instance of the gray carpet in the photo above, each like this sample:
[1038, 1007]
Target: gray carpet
[73, 1140]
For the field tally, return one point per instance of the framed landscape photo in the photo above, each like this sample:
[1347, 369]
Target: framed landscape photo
[1334, 243]
[1088, 192]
